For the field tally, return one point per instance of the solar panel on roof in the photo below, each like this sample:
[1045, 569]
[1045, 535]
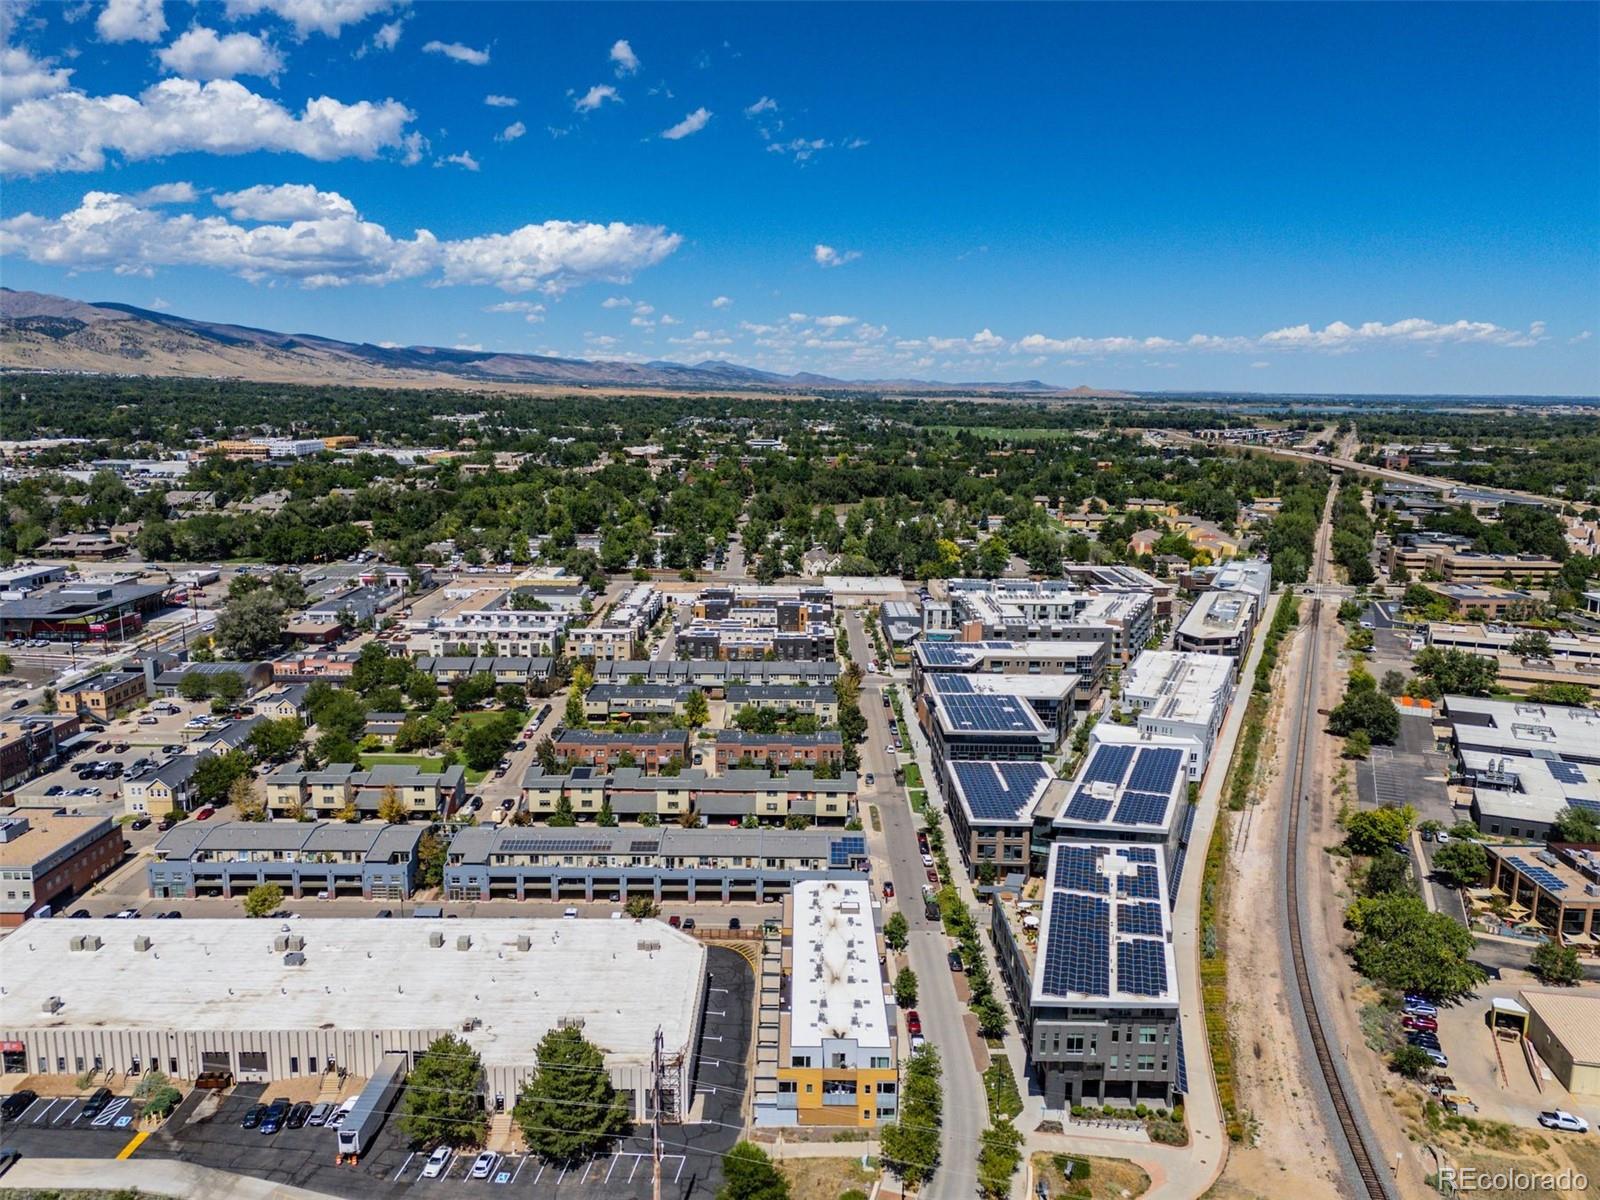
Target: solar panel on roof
[1142, 885]
[1175, 875]
[993, 792]
[1156, 770]
[643, 847]
[951, 683]
[844, 849]
[1143, 917]
[1141, 967]
[1087, 807]
[1109, 764]
[1138, 854]
[1547, 879]
[1588, 805]
[1564, 771]
[1141, 808]
[1077, 867]
[1077, 956]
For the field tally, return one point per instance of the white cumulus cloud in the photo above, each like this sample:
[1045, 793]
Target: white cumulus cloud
[464, 160]
[763, 105]
[388, 35]
[200, 53]
[693, 123]
[623, 58]
[801, 149]
[827, 256]
[22, 77]
[721, 302]
[108, 231]
[835, 322]
[532, 313]
[494, 101]
[131, 21]
[511, 132]
[595, 97]
[458, 52]
[327, 17]
[1414, 330]
[284, 202]
[181, 192]
[70, 131]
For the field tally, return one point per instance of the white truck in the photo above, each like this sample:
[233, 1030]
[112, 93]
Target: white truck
[371, 1108]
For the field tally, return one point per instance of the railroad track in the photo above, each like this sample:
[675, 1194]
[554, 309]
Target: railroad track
[1374, 1182]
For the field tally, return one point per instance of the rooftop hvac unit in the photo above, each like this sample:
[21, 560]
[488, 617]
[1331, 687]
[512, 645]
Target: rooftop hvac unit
[436, 939]
[1591, 889]
[76, 943]
[53, 1004]
[524, 942]
[294, 959]
[280, 943]
[464, 942]
[296, 942]
[141, 943]
[471, 1023]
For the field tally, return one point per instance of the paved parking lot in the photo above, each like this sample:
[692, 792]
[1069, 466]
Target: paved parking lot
[206, 1130]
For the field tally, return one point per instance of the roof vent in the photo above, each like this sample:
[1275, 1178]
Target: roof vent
[54, 1004]
[436, 939]
[464, 942]
[524, 942]
[294, 959]
[141, 943]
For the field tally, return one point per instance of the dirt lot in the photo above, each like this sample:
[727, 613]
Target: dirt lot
[825, 1178]
[1285, 1130]
[1108, 1178]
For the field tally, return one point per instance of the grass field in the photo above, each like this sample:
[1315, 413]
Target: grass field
[1107, 1178]
[426, 763]
[825, 1178]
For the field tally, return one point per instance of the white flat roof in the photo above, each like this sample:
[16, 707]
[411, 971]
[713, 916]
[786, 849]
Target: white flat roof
[1175, 685]
[837, 988]
[1216, 613]
[1523, 728]
[621, 978]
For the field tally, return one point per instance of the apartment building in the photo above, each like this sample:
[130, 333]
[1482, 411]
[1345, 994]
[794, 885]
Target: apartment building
[1051, 610]
[1219, 623]
[1177, 694]
[1087, 961]
[614, 636]
[46, 858]
[834, 1019]
[1087, 660]
[604, 749]
[630, 701]
[819, 702]
[33, 744]
[325, 794]
[726, 798]
[993, 809]
[228, 858]
[713, 676]
[162, 788]
[775, 751]
[741, 623]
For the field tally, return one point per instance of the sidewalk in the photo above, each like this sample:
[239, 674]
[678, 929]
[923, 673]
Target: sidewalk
[161, 1177]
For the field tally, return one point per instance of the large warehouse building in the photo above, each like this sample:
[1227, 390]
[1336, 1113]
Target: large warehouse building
[270, 1000]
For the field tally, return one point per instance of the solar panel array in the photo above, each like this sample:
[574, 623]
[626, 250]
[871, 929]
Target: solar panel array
[540, 845]
[1085, 806]
[1588, 805]
[1005, 714]
[952, 684]
[1108, 765]
[1142, 918]
[998, 791]
[1175, 876]
[1138, 854]
[1077, 868]
[844, 849]
[1547, 879]
[1077, 956]
[644, 847]
[1188, 823]
[1156, 770]
[1564, 771]
[1144, 884]
[1141, 808]
[1142, 967]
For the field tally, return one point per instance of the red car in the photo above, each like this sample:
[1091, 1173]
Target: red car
[1425, 1024]
[933, 876]
[204, 814]
[675, 921]
[888, 889]
[913, 1022]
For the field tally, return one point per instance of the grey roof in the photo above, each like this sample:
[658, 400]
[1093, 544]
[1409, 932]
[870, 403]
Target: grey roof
[235, 733]
[639, 691]
[476, 843]
[188, 838]
[174, 773]
[675, 738]
[821, 694]
[79, 599]
[738, 737]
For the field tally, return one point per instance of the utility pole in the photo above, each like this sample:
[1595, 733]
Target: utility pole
[655, 1118]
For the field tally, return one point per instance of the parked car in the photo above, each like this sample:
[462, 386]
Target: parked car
[888, 889]
[927, 860]
[437, 1161]
[319, 1115]
[204, 813]
[913, 1022]
[734, 923]
[139, 823]
[252, 1116]
[277, 1113]
[299, 1114]
[869, 778]
[339, 1114]
[483, 1165]
[688, 924]
[1558, 1118]
[954, 958]
[1427, 1024]
[384, 912]
[675, 920]
[127, 914]
[82, 914]
[570, 913]
[14, 1105]
[96, 1103]
[1420, 1008]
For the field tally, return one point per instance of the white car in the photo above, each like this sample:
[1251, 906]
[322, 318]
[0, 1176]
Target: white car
[1558, 1118]
[927, 860]
[483, 1165]
[437, 1161]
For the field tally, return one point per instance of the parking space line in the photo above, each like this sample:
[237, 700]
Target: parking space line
[404, 1165]
[50, 1103]
[521, 1162]
[62, 1115]
[609, 1169]
[540, 1175]
[30, 1108]
[563, 1175]
[682, 1158]
[589, 1166]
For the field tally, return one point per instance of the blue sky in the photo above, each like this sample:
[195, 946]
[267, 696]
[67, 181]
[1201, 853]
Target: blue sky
[1275, 198]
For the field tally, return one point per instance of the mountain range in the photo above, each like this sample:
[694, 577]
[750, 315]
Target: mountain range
[54, 333]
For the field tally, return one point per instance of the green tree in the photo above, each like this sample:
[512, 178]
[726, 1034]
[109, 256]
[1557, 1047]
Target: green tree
[896, 930]
[432, 851]
[1367, 710]
[1394, 683]
[545, 752]
[910, 1144]
[574, 716]
[1574, 695]
[194, 685]
[1574, 824]
[696, 710]
[440, 1105]
[251, 625]
[485, 742]
[999, 1155]
[568, 1107]
[563, 817]
[749, 1174]
[1357, 745]
[1388, 873]
[905, 988]
[1533, 643]
[1411, 1061]
[1460, 864]
[512, 696]
[245, 797]
[1456, 672]
[275, 741]
[1401, 945]
[1374, 829]
[1556, 964]
[227, 686]
[606, 818]
[5, 664]
[213, 776]
[263, 900]
[991, 1015]
[641, 908]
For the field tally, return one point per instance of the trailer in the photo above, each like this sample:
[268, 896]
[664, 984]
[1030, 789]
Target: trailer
[371, 1108]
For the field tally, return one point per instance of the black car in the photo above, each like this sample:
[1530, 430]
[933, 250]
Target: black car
[298, 1114]
[688, 923]
[96, 1103]
[955, 961]
[83, 914]
[14, 1105]
[277, 1113]
[734, 923]
[384, 912]
[139, 823]
[252, 1116]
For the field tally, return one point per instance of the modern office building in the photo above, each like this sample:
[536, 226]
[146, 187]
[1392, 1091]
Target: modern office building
[963, 723]
[1176, 694]
[1087, 961]
[46, 858]
[1087, 660]
[1556, 888]
[81, 612]
[1218, 623]
[1248, 576]
[1051, 610]
[105, 695]
[304, 858]
[272, 1004]
[1114, 577]
[836, 1053]
[1137, 793]
[1520, 797]
[1567, 649]
[993, 809]
[1517, 729]
[664, 863]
